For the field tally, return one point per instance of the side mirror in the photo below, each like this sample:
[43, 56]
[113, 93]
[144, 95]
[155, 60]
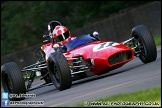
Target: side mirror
[95, 34]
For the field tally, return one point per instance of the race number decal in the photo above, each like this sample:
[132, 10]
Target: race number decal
[104, 46]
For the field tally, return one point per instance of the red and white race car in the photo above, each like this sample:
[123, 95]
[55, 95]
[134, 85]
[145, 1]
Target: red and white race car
[84, 56]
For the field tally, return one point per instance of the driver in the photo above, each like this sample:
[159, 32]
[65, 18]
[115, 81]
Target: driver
[60, 34]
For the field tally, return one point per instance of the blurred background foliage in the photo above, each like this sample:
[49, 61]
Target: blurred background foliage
[23, 23]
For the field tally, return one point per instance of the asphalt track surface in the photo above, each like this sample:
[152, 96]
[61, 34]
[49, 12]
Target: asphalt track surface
[131, 77]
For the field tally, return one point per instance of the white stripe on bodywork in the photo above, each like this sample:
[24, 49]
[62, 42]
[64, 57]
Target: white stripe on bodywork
[104, 45]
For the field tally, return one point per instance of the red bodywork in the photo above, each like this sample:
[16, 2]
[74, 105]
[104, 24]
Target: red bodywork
[98, 53]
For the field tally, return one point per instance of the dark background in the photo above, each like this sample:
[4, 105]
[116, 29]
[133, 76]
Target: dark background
[23, 23]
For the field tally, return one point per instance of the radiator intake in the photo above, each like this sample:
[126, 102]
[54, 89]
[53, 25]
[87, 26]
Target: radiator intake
[119, 57]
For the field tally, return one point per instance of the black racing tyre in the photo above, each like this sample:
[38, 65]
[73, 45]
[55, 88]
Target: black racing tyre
[59, 71]
[12, 80]
[146, 44]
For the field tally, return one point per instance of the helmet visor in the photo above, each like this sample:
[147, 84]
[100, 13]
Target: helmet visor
[62, 37]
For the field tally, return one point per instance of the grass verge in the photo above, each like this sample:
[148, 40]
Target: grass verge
[157, 39]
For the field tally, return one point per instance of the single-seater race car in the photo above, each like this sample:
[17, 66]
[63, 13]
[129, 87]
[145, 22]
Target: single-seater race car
[84, 56]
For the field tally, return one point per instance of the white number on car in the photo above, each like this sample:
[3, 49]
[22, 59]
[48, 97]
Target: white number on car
[104, 46]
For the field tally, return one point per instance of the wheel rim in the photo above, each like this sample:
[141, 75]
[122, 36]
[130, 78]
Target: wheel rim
[56, 75]
[140, 47]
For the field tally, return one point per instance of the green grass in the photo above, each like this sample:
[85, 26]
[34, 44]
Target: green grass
[140, 98]
[157, 39]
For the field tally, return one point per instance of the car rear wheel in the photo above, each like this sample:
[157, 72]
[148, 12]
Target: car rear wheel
[145, 43]
[12, 80]
[59, 71]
